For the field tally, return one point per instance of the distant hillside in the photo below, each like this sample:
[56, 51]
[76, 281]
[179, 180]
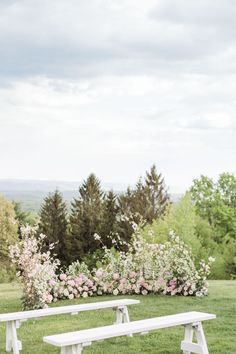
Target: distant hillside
[32, 200]
[31, 193]
[7, 185]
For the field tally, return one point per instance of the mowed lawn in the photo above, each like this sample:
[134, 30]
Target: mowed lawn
[220, 333]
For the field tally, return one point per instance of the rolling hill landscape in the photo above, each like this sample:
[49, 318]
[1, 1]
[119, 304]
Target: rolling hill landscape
[30, 193]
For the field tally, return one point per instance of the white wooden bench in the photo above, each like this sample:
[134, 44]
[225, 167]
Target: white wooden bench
[13, 320]
[74, 342]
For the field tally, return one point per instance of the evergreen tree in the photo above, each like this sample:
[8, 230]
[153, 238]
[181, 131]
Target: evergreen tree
[54, 224]
[156, 194]
[109, 217]
[140, 201]
[87, 217]
[147, 201]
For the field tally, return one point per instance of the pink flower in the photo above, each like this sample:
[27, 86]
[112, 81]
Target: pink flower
[161, 281]
[71, 282]
[132, 274]
[49, 298]
[62, 277]
[142, 281]
[172, 282]
[89, 283]
[116, 276]
[60, 290]
[98, 273]
[52, 282]
[123, 281]
[78, 280]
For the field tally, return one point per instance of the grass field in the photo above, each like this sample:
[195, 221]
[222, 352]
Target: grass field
[220, 333]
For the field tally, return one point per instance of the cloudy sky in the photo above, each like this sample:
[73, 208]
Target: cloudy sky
[112, 87]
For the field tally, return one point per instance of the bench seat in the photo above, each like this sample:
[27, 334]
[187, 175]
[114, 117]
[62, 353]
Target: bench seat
[14, 319]
[74, 342]
[60, 310]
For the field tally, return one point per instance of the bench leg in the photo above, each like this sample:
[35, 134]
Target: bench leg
[73, 349]
[125, 314]
[11, 337]
[201, 338]
[123, 317]
[188, 336]
[119, 315]
[187, 344]
[8, 337]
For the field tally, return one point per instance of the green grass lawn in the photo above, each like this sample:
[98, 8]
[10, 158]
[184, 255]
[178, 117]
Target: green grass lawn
[220, 333]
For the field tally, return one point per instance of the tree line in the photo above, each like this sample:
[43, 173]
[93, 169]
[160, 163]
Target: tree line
[97, 212]
[204, 218]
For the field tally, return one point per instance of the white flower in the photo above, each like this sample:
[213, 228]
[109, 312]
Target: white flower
[115, 292]
[97, 237]
[66, 293]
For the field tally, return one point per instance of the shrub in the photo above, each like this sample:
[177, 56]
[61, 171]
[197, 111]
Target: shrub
[7, 273]
[145, 268]
[36, 269]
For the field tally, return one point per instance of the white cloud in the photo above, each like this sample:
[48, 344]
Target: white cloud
[113, 87]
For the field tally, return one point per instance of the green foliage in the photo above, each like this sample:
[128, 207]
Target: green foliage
[216, 203]
[109, 222]
[182, 220]
[54, 224]
[24, 217]
[196, 232]
[76, 268]
[8, 227]
[87, 217]
[7, 272]
[126, 211]
[147, 201]
[156, 195]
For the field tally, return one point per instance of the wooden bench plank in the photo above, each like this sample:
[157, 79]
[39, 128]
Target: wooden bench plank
[14, 319]
[21, 315]
[96, 334]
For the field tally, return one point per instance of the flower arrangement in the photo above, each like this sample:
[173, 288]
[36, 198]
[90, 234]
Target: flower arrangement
[69, 287]
[36, 269]
[145, 268]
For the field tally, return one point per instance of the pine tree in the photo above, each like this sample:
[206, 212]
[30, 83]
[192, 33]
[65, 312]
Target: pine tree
[147, 201]
[86, 217]
[139, 202]
[54, 224]
[156, 195]
[109, 217]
